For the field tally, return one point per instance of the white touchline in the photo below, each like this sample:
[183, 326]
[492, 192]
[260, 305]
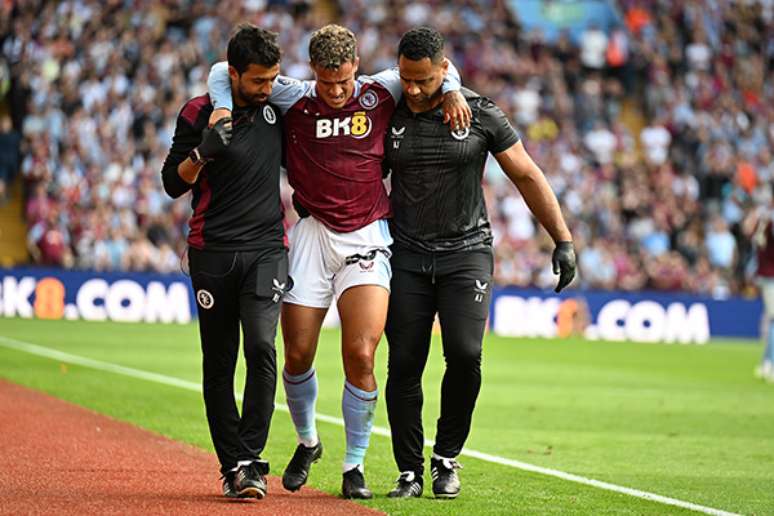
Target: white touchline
[194, 386]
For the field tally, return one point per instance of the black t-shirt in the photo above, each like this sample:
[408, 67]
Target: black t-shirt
[437, 199]
[236, 198]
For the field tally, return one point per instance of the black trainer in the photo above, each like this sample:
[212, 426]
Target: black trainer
[353, 485]
[250, 481]
[229, 491]
[446, 483]
[409, 485]
[297, 471]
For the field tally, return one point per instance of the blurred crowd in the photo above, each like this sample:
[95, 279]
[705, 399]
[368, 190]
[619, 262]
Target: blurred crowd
[657, 136]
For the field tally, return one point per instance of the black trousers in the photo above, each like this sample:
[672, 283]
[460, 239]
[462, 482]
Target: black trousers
[457, 286]
[233, 289]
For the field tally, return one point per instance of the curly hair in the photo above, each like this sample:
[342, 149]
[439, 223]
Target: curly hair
[252, 45]
[332, 46]
[422, 42]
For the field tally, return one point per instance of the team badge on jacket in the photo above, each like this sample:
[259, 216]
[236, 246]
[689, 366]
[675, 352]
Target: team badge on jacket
[269, 115]
[460, 134]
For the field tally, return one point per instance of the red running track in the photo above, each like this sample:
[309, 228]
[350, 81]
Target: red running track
[58, 458]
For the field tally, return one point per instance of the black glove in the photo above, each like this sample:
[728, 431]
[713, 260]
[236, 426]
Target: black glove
[563, 261]
[215, 139]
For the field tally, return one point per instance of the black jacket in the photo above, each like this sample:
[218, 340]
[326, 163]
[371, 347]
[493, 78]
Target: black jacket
[236, 198]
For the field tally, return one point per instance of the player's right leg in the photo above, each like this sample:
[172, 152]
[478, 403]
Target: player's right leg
[216, 289]
[303, 312]
[409, 325]
[300, 332]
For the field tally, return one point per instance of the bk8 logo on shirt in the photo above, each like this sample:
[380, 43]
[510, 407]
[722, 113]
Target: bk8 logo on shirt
[358, 126]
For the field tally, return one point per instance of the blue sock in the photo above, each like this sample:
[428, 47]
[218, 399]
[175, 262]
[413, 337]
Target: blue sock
[769, 353]
[301, 394]
[358, 407]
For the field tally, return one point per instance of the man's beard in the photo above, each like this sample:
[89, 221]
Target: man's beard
[426, 101]
[252, 100]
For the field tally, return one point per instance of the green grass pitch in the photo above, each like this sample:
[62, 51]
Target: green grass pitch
[688, 422]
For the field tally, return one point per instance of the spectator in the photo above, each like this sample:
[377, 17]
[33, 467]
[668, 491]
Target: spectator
[721, 245]
[93, 113]
[758, 226]
[48, 241]
[593, 48]
[9, 154]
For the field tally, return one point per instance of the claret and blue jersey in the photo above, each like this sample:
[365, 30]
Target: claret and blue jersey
[334, 156]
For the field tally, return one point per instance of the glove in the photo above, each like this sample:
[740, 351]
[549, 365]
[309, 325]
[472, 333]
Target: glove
[563, 261]
[215, 139]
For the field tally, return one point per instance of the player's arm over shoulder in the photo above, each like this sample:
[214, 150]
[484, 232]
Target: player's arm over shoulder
[390, 80]
[286, 91]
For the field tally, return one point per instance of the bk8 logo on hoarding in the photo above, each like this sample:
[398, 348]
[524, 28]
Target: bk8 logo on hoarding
[615, 319]
[81, 296]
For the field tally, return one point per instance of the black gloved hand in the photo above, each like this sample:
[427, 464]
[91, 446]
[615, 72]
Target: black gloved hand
[215, 139]
[563, 261]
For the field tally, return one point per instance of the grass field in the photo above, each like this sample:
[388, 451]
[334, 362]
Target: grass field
[687, 422]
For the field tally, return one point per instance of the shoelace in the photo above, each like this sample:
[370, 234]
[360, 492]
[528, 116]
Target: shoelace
[448, 464]
[406, 476]
[451, 464]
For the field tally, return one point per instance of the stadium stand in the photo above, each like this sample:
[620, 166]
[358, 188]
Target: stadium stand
[657, 136]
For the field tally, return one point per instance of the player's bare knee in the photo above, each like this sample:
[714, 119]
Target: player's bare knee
[298, 360]
[359, 362]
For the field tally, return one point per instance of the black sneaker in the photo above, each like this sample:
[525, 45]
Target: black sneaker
[250, 481]
[297, 471]
[446, 483]
[353, 485]
[409, 485]
[229, 491]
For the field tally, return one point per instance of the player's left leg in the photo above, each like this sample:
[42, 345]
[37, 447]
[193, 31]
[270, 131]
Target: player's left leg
[464, 290]
[363, 311]
[361, 284]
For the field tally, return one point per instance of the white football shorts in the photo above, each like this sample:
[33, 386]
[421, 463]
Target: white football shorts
[324, 263]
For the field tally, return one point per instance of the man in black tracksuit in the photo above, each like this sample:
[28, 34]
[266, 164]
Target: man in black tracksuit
[442, 257]
[237, 255]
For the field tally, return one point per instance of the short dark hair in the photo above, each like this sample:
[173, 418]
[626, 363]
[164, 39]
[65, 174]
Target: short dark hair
[332, 46]
[252, 45]
[422, 42]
